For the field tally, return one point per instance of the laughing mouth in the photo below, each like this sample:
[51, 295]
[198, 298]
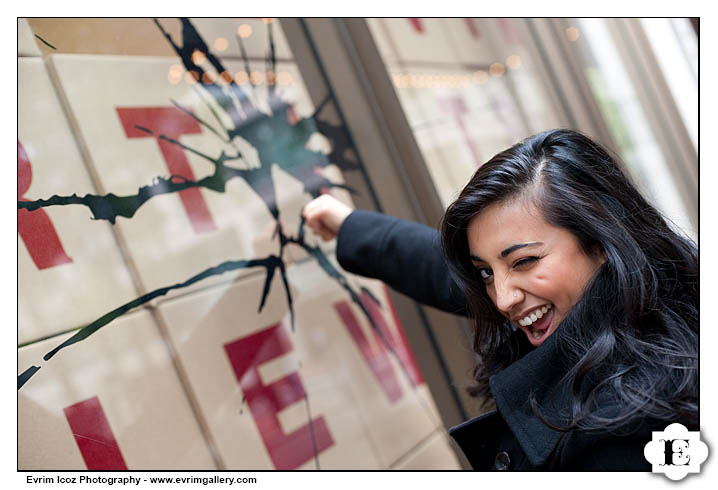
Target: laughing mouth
[536, 327]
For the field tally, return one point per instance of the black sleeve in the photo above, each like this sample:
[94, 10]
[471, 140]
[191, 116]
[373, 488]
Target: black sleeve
[407, 256]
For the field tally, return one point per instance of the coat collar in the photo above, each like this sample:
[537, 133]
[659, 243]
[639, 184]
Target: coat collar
[538, 372]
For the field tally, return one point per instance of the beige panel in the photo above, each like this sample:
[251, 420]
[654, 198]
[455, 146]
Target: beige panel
[202, 324]
[26, 45]
[64, 296]
[413, 103]
[127, 367]
[460, 127]
[394, 426]
[482, 105]
[444, 167]
[367, 429]
[434, 454]
[162, 243]
[428, 45]
[384, 43]
[469, 40]
[137, 36]
[142, 37]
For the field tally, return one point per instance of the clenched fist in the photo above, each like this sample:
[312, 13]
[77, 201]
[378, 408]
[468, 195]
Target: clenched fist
[325, 215]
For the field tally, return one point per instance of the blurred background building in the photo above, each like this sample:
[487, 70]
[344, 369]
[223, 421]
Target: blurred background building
[173, 311]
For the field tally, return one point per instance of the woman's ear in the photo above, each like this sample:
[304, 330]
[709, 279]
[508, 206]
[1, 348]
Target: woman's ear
[600, 254]
[595, 251]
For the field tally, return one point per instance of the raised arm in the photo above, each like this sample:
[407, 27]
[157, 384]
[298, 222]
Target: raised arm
[405, 255]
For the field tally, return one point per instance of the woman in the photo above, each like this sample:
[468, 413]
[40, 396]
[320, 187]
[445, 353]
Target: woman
[584, 302]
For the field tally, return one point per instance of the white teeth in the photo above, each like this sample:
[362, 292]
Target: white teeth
[528, 320]
[535, 334]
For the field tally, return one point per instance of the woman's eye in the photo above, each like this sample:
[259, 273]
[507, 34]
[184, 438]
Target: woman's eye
[524, 262]
[485, 273]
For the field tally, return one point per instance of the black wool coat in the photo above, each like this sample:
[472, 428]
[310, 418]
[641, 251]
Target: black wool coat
[407, 256]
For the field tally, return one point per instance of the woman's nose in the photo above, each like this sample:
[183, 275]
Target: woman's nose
[507, 296]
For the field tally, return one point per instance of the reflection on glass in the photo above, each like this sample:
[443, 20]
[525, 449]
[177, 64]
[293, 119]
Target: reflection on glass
[472, 87]
[468, 88]
[627, 121]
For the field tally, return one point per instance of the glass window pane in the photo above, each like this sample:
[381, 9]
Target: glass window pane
[626, 118]
[469, 87]
[473, 87]
[675, 45]
[174, 311]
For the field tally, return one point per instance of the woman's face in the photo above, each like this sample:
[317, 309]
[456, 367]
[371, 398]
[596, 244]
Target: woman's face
[534, 272]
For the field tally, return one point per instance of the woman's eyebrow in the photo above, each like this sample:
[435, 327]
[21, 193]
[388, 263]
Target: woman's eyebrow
[513, 248]
[507, 251]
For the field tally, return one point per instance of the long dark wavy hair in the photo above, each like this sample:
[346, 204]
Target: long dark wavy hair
[632, 338]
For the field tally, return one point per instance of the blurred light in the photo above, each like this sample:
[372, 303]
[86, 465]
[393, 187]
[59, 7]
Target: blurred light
[220, 44]
[191, 77]
[256, 77]
[497, 69]
[284, 78]
[572, 34]
[513, 61]
[198, 57]
[174, 74]
[240, 78]
[267, 20]
[244, 30]
[226, 77]
[174, 77]
[446, 80]
[480, 77]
